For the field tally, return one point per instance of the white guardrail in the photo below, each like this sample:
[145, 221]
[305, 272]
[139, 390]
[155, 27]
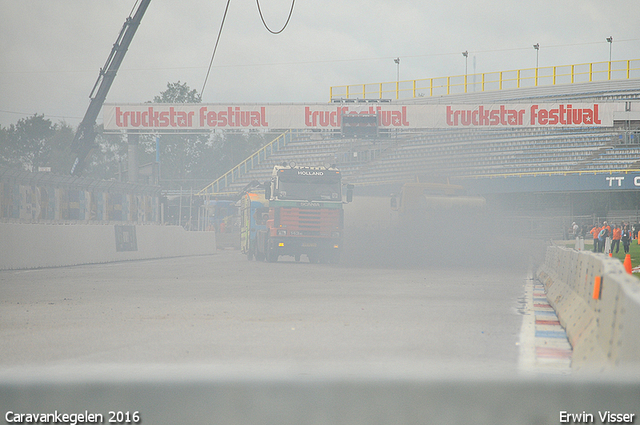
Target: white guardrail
[598, 303]
[210, 394]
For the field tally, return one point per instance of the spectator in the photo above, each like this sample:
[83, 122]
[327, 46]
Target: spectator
[595, 231]
[607, 238]
[615, 238]
[577, 234]
[602, 236]
[626, 238]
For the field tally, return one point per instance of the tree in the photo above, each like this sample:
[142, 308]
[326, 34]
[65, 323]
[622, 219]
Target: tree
[180, 154]
[109, 156]
[35, 142]
[25, 144]
[234, 147]
[5, 148]
[60, 159]
[194, 160]
[187, 160]
[178, 93]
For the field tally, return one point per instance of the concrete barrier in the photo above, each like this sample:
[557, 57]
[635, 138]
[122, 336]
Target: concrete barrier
[602, 321]
[24, 246]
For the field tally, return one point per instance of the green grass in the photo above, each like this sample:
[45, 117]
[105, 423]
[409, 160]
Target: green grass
[634, 250]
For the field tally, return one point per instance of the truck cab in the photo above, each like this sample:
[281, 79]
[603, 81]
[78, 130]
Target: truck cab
[305, 214]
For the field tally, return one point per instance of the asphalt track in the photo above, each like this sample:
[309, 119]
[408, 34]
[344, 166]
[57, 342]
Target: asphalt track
[223, 309]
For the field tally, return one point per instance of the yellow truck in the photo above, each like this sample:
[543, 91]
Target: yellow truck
[254, 212]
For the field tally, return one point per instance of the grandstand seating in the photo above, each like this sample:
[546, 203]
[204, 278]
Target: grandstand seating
[470, 152]
[455, 153]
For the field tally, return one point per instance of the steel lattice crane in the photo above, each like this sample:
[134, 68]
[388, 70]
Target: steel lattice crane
[84, 140]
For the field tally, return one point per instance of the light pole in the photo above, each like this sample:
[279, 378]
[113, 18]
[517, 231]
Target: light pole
[537, 47]
[610, 40]
[466, 58]
[397, 61]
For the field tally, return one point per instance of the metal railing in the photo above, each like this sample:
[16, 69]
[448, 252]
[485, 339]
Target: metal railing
[491, 81]
[224, 181]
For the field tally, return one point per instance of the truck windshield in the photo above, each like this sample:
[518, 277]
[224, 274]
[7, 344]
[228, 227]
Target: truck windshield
[324, 187]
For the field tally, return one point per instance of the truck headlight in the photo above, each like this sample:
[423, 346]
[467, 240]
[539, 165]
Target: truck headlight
[335, 234]
[282, 232]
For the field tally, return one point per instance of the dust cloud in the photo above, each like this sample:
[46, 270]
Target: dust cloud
[376, 236]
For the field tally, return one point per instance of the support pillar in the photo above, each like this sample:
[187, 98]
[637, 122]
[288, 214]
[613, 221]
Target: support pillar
[132, 169]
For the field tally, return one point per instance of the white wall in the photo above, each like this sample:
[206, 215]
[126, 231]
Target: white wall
[24, 246]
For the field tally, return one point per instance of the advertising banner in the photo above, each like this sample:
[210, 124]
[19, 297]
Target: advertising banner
[550, 182]
[157, 117]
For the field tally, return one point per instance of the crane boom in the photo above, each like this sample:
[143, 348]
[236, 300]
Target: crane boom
[83, 142]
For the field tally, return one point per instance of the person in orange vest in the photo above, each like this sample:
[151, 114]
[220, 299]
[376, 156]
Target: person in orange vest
[615, 238]
[594, 231]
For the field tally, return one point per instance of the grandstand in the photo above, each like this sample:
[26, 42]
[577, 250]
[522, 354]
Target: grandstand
[484, 152]
[460, 153]
[449, 153]
[401, 156]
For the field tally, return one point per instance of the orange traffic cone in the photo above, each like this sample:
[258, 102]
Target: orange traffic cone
[627, 263]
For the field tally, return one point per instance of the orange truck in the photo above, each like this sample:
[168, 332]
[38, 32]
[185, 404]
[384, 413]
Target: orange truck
[305, 214]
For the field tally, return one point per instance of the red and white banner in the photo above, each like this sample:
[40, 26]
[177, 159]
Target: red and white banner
[154, 117]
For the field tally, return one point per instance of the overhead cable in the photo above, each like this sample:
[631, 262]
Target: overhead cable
[293, 2]
[224, 17]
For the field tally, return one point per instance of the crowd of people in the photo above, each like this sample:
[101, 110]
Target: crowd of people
[607, 238]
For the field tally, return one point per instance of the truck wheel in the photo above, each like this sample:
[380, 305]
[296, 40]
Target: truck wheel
[250, 255]
[297, 257]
